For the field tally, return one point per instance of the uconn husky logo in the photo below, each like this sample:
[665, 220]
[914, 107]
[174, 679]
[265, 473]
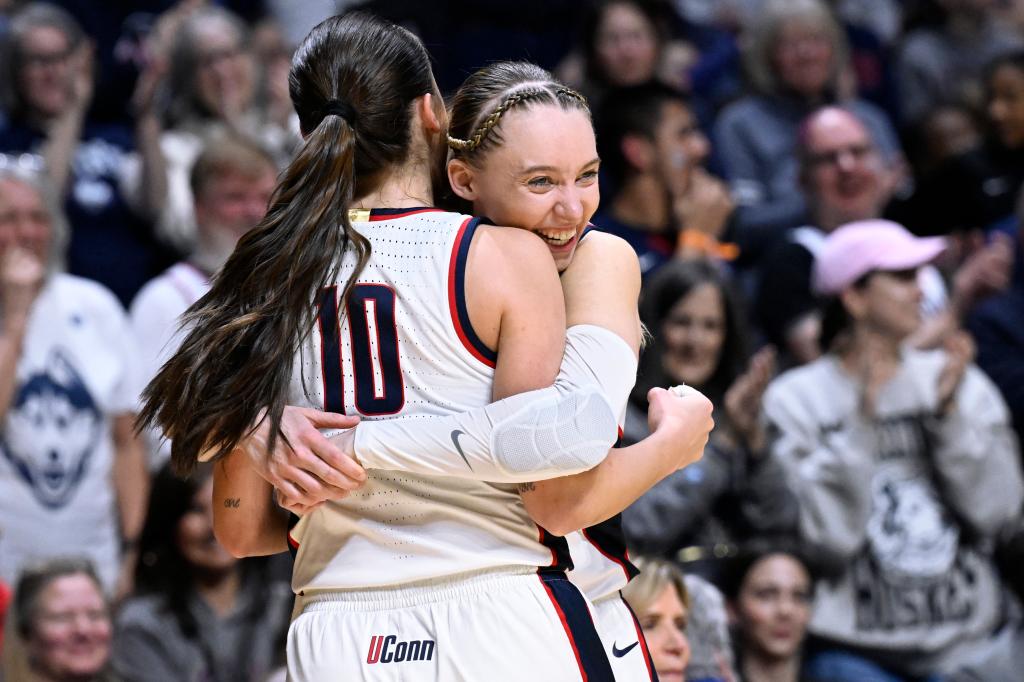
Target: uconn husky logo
[51, 430]
[387, 649]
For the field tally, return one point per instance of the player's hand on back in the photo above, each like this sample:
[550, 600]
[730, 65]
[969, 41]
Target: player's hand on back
[305, 467]
[682, 414]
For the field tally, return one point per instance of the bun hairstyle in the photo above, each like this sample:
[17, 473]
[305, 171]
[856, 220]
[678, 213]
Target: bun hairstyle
[353, 81]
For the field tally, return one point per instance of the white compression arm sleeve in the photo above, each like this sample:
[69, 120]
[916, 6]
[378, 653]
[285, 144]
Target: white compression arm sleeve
[556, 431]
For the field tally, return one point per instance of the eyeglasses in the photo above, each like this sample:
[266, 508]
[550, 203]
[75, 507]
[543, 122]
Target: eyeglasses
[214, 57]
[45, 59]
[832, 157]
[69, 617]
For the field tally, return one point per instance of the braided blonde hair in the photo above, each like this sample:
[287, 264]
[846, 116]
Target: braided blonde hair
[546, 89]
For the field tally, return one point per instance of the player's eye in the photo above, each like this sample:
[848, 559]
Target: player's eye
[587, 176]
[542, 181]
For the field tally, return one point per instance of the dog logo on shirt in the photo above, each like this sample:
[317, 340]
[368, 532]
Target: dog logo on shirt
[910, 532]
[51, 431]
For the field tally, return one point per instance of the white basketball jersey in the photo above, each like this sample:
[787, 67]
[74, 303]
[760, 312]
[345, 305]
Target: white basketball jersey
[404, 346]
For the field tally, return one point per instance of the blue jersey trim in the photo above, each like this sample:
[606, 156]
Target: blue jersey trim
[462, 244]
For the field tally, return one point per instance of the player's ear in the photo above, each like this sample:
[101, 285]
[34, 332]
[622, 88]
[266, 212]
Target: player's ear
[434, 118]
[462, 179]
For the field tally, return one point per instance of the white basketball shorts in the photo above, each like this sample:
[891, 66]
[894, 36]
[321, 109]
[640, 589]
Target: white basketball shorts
[494, 626]
[623, 640]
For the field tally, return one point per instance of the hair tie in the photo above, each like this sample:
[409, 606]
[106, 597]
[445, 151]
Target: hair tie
[338, 107]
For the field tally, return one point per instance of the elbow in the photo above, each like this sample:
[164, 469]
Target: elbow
[560, 526]
[559, 519]
[237, 542]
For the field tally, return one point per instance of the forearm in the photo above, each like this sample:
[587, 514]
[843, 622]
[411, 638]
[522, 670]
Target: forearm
[564, 429]
[154, 165]
[978, 465]
[833, 488]
[131, 477]
[829, 472]
[246, 520]
[59, 150]
[566, 504]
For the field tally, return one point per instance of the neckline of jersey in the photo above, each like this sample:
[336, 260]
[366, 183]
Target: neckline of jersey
[369, 215]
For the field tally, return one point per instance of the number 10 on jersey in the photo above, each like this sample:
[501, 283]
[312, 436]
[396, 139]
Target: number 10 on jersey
[373, 344]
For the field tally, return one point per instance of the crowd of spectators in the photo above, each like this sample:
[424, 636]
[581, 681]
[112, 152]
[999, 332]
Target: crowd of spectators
[825, 201]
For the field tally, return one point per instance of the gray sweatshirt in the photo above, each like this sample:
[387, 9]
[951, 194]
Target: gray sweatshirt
[902, 508]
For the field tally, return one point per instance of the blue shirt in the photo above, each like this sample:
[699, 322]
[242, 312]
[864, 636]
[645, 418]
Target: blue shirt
[109, 243]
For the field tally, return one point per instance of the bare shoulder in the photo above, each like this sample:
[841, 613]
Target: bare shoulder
[607, 252]
[509, 270]
[513, 241]
[511, 254]
[605, 256]
[601, 286]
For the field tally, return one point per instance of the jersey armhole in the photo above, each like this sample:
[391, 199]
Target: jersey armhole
[457, 295]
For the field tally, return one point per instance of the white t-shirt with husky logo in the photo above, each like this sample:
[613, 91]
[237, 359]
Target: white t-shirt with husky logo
[78, 369]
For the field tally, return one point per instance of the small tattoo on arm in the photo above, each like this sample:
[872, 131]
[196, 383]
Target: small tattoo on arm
[232, 502]
[526, 487]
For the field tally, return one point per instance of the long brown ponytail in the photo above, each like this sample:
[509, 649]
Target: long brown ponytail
[352, 82]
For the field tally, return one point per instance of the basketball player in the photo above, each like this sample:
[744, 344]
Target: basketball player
[518, 117]
[409, 567]
[515, 164]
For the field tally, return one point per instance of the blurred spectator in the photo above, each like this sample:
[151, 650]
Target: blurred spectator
[212, 88]
[883, 18]
[72, 470]
[797, 58]
[977, 189]
[622, 43]
[711, 657]
[274, 59]
[844, 180]
[232, 181]
[658, 598]
[998, 329]
[664, 202]
[64, 621]
[199, 613]
[769, 598]
[297, 19]
[631, 42]
[48, 90]
[117, 31]
[905, 467]
[944, 63]
[737, 490]
[945, 132]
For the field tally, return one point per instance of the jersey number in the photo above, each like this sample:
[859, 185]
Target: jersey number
[373, 338]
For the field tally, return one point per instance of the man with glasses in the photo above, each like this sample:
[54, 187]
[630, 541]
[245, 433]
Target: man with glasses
[844, 178]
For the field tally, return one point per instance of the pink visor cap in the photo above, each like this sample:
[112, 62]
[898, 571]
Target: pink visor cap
[855, 249]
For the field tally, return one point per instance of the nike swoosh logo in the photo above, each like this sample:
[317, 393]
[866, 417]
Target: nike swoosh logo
[455, 439]
[619, 653]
